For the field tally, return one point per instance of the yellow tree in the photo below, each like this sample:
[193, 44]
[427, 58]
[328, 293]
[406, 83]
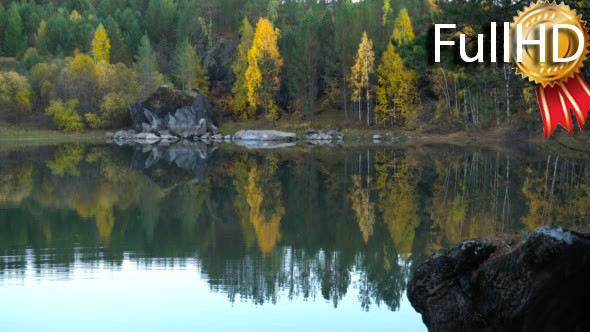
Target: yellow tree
[101, 45]
[239, 102]
[362, 206]
[264, 67]
[402, 28]
[399, 200]
[361, 71]
[397, 91]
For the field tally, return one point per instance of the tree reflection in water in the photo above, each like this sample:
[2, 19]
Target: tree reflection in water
[295, 222]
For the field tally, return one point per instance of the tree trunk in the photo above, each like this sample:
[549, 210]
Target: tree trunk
[507, 86]
[368, 107]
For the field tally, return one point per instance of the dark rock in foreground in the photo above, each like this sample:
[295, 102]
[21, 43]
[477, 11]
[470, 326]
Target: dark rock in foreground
[542, 285]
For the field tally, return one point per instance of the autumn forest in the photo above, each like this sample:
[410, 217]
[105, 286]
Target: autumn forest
[77, 64]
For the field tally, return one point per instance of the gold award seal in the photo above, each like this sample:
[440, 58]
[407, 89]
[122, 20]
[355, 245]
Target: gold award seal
[548, 73]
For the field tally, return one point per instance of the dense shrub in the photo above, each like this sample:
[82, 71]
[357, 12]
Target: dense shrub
[15, 95]
[64, 115]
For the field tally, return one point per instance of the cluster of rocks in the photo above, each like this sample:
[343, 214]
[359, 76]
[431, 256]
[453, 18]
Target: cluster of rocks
[319, 136]
[540, 285]
[169, 115]
[131, 136]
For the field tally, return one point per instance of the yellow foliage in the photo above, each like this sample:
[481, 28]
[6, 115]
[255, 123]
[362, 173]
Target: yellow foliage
[16, 186]
[82, 66]
[258, 203]
[64, 115]
[264, 67]
[75, 16]
[399, 202]
[362, 206]
[15, 94]
[265, 212]
[363, 67]
[66, 160]
[101, 45]
[403, 31]
[239, 102]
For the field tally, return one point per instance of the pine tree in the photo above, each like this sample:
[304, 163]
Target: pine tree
[309, 44]
[386, 12]
[188, 71]
[361, 74]
[14, 40]
[146, 66]
[101, 45]
[240, 65]
[119, 50]
[41, 38]
[272, 10]
[264, 67]
[2, 24]
[403, 31]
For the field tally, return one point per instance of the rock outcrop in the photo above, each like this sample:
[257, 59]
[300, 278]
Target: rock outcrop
[315, 137]
[542, 285]
[169, 112]
[265, 135]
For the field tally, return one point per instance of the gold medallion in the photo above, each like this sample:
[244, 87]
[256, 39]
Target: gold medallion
[548, 73]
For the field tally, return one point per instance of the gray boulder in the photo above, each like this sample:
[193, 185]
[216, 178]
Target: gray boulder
[321, 136]
[254, 145]
[125, 134]
[332, 132]
[185, 113]
[265, 135]
[541, 285]
[146, 137]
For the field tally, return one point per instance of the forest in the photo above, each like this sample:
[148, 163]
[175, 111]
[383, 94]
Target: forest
[77, 64]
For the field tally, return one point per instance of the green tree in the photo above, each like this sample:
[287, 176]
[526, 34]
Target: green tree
[41, 38]
[309, 44]
[14, 40]
[146, 66]
[64, 115]
[189, 72]
[239, 103]
[30, 59]
[160, 19]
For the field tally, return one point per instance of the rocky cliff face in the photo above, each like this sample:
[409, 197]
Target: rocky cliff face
[170, 112]
[542, 285]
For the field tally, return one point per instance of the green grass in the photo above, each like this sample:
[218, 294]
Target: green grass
[9, 133]
[295, 124]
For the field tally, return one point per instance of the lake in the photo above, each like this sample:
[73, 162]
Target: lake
[99, 237]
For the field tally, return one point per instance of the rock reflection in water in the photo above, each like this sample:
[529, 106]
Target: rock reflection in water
[264, 223]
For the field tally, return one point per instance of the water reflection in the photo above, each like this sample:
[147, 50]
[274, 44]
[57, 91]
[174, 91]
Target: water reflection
[305, 223]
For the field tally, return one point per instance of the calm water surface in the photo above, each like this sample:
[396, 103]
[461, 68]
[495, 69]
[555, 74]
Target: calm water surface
[98, 237]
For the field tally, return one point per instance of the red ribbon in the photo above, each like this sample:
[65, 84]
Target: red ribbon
[557, 101]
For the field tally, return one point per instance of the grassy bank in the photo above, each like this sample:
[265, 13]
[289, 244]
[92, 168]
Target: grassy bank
[13, 133]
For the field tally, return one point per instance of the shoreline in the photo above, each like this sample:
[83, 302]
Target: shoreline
[500, 138]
